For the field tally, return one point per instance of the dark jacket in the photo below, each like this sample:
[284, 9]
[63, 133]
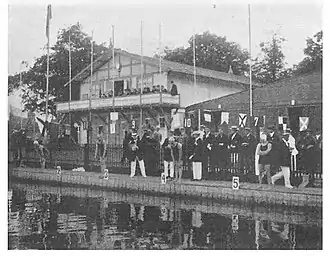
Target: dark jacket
[250, 147]
[235, 142]
[167, 155]
[274, 153]
[198, 151]
[209, 140]
[132, 154]
[284, 154]
[220, 147]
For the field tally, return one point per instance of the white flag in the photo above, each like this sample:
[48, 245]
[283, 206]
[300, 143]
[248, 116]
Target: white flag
[242, 120]
[207, 117]
[224, 117]
[280, 120]
[303, 123]
[112, 128]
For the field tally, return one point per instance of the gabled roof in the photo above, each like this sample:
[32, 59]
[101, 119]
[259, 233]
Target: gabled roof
[166, 66]
[304, 89]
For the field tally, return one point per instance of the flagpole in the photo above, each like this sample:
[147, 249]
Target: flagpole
[250, 49]
[113, 66]
[160, 59]
[90, 93]
[141, 87]
[70, 92]
[195, 84]
[47, 75]
[21, 83]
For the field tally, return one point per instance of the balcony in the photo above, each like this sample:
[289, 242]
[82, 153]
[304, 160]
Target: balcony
[121, 102]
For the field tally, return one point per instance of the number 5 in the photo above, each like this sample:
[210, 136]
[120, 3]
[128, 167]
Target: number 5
[235, 183]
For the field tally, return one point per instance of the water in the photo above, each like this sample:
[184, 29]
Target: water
[45, 217]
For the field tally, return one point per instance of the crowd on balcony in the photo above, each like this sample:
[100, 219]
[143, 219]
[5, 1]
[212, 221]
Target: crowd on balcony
[146, 90]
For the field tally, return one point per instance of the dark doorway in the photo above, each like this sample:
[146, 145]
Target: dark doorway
[119, 88]
[294, 114]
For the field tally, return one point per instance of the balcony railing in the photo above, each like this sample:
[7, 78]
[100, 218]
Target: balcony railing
[119, 102]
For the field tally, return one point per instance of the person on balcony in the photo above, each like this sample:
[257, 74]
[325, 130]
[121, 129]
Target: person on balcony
[174, 89]
[163, 89]
[157, 88]
[100, 152]
[154, 89]
[136, 153]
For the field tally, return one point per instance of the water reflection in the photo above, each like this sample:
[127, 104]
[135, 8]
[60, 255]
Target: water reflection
[39, 220]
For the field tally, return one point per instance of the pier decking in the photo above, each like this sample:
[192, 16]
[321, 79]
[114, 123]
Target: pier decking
[248, 193]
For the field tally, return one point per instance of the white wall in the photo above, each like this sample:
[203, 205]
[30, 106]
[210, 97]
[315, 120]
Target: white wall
[190, 95]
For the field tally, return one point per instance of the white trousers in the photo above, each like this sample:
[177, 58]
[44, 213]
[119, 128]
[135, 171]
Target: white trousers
[284, 173]
[197, 170]
[171, 166]
[142, 168]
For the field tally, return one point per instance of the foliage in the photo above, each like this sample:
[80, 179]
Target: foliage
[314, 55]
[35, 77]
[270, 67]
[212, 52]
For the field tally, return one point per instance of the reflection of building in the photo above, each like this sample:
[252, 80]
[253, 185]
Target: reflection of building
[158, 106]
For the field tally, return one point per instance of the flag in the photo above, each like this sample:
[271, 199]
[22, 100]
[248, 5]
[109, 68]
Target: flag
[207, 116]
[303, 123]
[242, 120]
[49, 17]
[224, 117]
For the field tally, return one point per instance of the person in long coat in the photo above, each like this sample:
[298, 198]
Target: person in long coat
[197, 155]
[235, 141]
[150, 153]
[208, 140]
[263, 158]
[248, 148]
[220, 152]
[136, 153]
[274, 139]
[285, 161]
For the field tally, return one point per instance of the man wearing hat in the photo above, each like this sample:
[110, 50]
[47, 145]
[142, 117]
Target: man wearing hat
[248, 148]
[284, 158]
[208, 140]
[136, 153]
[274, 139]
[235, 141]
[151, 157]
[196, 155]
[220, 151]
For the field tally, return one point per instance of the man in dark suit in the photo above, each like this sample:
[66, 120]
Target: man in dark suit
[136, 153]
[219, 152]
[235, 141]
[208, 140]
[248, 148]
[274, 139]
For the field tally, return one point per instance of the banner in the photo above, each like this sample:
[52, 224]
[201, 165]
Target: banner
[112, 128]
[224, 117]
[303, 123]
[113, 116]
[280, 120]
[207, 116]
[242, 120]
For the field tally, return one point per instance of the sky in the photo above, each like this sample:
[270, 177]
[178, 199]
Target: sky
[295, 21]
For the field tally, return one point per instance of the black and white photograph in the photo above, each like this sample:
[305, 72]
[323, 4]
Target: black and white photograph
[164, 125]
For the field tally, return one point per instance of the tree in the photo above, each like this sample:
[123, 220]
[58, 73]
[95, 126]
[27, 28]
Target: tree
[314, 55]
[270, 67]
[34, 93]
[212, 52]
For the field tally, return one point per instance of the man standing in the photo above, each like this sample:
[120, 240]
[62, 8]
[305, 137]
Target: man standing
[235, 142]
[248, 148]
[158, 138]
[177, 158]
[196, 155]
[208, 140]
[183, 140]
[100, 152]
[150, 152]
[284, 160]
[307, 146]
[136, 153]
[274, 153]
[125, 146]
[220, 151]
[43, 153]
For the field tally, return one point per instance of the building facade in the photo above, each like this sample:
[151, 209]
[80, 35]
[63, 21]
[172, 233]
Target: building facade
[113, 94]
[283, 103]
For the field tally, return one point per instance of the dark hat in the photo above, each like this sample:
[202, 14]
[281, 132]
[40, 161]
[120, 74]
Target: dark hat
[247, 128]
[235, 128]
[177, 132]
